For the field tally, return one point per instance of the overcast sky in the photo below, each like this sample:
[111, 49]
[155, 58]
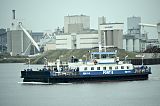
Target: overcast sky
[40, 15]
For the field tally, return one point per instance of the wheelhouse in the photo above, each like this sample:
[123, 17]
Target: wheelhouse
[103, 55]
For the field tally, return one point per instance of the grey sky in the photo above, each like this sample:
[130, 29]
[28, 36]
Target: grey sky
[40, 15]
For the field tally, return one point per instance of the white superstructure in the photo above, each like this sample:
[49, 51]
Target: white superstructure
[76, 23]
[76, 41]
[112, 34]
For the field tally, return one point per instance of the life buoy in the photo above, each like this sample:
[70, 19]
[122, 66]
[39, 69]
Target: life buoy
[95, 62]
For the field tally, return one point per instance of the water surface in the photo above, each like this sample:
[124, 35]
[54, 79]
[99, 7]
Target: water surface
[126, 93]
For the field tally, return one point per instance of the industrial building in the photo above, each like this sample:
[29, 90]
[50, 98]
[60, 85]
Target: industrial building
[133, 43]
[84, 41]
[3, 40]
[37, 36]
[48, 41]
[158, 30]
[19, 40]
[50, 45]
[151, 43]
[111, 34]
[133, 26]
[134, 40]
[77, 33]
[66, 41]
[76, 23]
[18, 43]
[101, 20]
[77, 41]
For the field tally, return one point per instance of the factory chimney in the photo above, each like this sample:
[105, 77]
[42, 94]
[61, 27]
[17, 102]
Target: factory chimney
[14, 14]
[13, 24]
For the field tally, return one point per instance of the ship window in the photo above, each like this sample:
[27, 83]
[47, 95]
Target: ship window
[122, 67]
[116, 67]
[92, 68]
[127, 67]
[104, 68]
[98, 68]
[85, 68]
[112, 55]
[103, 55]
[110, 68]
[96, 56]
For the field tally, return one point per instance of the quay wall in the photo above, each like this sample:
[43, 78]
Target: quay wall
[149, 61]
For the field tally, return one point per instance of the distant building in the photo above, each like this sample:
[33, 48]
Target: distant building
[3, 40]
[66, 41]
[84, 41]
[134, 40]
[77, 41]
[133, 43]
[18, 43]
[152, 43]
[76, 23]
[75, 28]
[37, 36]
[158, 29]
[76, 33]
[50, 45]
[112, 34]
[101, 20]
[133, 26]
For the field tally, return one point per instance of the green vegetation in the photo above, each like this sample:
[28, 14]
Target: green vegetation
[7, 58]
[64, 55]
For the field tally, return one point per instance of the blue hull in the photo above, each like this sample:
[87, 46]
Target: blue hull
[37, 76]
[106, 72]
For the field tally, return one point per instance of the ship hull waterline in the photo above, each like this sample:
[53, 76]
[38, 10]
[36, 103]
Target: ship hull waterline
[86, 78]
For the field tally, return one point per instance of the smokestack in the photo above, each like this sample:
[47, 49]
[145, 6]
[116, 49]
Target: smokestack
[14, 14]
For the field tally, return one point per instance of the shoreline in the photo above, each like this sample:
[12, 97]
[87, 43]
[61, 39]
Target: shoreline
[135, 61]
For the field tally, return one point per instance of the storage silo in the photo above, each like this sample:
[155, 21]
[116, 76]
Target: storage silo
[109, 38]
[130, 44]
[136, 45]
[113, 34]
[124, 44]
[18, 42]
[118, 38]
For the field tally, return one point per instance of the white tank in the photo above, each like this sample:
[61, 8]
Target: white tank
[130, 44]
[109, 38]
[124, 44]
[136, 45]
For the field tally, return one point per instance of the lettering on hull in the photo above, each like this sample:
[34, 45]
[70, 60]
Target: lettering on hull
[107, 72]
[86, 73]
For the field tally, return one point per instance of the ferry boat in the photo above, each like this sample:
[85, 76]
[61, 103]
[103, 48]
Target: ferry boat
[102, 66]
